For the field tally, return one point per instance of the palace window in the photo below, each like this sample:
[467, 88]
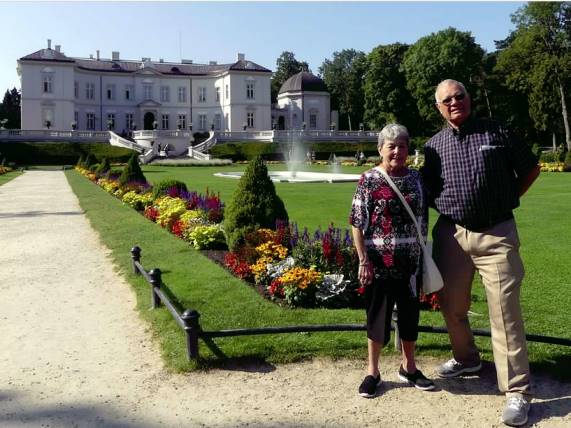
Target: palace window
[47, 83]
[76, 117]
[227, 91]
[165, 121]
[90, 121]
[129, 92]
[217, 122]
[148, 92]
[110, 92]
[181, 122]
[129, 120]
[165, 94]
[75, 90]
[250, 91]
[217, 94]
[250, 120]
[90, 91]
[202, 122]
[181, 94]
[312, 121]
[111, 121]
[202, 95]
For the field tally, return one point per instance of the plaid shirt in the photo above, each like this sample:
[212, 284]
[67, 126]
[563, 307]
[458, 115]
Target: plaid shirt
[471, 174]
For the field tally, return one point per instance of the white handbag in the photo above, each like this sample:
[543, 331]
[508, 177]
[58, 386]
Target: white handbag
[431, 277]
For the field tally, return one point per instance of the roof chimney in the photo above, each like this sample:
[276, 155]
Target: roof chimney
[97, 52]
[213, 63]
[90, 56]
[241, 57]
[187, 61]
[161, 60]
[49, 43]
[115, 56]
[58, 48]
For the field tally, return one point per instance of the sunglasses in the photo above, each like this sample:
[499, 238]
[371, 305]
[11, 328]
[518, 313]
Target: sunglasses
[448, 100]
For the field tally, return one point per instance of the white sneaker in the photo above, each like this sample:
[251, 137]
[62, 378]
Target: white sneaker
[516, 410]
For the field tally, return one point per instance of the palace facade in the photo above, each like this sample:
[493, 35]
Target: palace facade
[62, 93]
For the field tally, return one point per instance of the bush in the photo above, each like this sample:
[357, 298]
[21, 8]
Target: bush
[255, 205]
[89, 161]
[548, 157]
[163, 187]
[132, 172]
[207, 237]
[567, 162]
[104, 166]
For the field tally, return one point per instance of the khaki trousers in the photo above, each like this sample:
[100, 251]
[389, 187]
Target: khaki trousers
[494, 253]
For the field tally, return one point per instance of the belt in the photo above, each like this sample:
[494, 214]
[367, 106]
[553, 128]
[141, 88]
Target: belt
[480, 226]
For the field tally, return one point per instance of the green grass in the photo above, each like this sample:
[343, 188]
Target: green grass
[4, 178]
[225, 302]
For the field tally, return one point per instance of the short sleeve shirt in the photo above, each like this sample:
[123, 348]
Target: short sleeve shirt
[471, 174]
[390, 235]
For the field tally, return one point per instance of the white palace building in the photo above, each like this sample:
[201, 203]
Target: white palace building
[63, 93]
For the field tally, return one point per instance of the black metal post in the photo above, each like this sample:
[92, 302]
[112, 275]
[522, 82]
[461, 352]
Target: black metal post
[136, 257]
[156, 281]
[192, 330]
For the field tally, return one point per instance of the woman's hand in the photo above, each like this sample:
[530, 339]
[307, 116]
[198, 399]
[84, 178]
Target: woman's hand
[365, 273]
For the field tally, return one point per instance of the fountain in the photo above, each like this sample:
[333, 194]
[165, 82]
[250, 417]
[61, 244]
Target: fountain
[295, 154]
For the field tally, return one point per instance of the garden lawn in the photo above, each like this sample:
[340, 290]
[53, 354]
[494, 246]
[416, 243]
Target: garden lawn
[4, 178]
[225, 302]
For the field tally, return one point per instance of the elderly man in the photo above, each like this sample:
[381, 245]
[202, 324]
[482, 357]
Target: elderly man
[475, 171]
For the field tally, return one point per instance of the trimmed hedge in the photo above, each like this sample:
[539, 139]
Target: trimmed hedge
[23, 153]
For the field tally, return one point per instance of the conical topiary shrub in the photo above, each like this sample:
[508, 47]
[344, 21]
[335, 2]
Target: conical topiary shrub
[132, 172]
[103, 167]
[89, 161]
[567, 162]
[254, 205]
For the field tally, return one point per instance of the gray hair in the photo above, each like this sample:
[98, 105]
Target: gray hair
[392, 132]
[448, 82]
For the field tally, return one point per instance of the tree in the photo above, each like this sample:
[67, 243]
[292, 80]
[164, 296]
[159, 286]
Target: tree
[387, 98]
[286, 66]
[343, 76]
[10, 109]
[448, 54]
[255, 205]
[537, 62]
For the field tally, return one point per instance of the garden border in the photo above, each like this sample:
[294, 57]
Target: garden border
[188, 320]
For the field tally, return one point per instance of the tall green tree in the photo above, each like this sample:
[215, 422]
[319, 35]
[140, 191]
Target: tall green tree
[286, 66]
[344, 75]
[447, 54]
[387, 99]
[10, 109]
[537, 62]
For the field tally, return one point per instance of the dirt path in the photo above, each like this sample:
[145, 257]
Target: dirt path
[73, 352]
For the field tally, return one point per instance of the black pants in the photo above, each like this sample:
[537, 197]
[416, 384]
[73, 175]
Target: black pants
[381, 296]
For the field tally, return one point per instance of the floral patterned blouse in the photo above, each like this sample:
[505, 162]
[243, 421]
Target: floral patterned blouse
[390, 235]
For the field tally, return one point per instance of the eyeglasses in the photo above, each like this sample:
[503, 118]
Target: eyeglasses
[448, 100]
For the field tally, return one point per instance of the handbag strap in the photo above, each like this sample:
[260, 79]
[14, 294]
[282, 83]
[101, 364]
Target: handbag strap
[406, 205]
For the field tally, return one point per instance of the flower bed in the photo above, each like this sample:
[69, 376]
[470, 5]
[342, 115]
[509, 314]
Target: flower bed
[5, 169]
[189, 215]
[551, 166]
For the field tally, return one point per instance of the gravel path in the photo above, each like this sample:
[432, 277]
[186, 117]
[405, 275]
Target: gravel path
[74, 353]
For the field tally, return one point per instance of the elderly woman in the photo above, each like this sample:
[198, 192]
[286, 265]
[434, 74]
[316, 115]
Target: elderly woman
[390, 255]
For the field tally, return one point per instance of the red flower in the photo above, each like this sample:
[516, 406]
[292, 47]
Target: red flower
[361, 290]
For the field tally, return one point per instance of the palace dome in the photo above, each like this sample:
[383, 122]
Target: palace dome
[303, 81]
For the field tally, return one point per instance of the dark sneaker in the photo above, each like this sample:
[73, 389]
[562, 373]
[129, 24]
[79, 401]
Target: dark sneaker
[368, 387]
[453, 368]
[516, 410]
[416, 379]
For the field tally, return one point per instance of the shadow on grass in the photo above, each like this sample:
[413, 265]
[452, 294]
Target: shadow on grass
[39, 213]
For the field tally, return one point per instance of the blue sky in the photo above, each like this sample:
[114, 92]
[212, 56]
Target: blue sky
[216, 31]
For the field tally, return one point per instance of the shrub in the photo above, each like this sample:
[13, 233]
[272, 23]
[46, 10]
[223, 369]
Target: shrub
[132, 172]
[89, 161]
[93, 168]
[104, 166]
[163, 187]
[567, 162]
[549, 157]
[255, 205]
